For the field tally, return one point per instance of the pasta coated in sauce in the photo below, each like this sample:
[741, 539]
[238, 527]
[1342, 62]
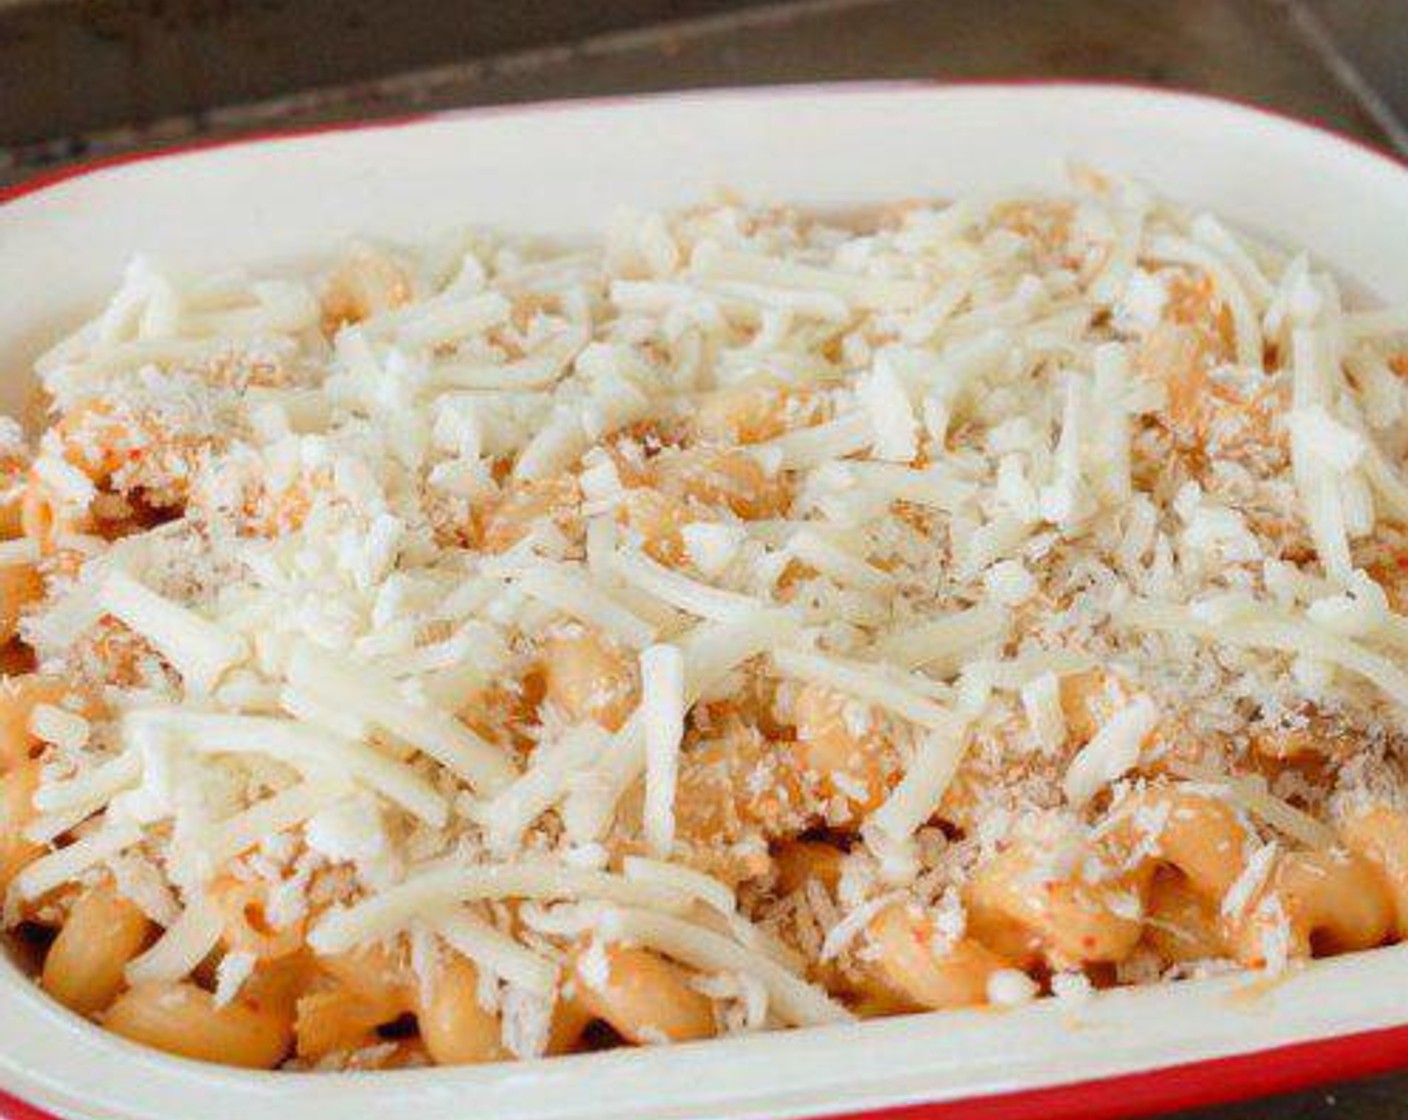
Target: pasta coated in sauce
[492, 652]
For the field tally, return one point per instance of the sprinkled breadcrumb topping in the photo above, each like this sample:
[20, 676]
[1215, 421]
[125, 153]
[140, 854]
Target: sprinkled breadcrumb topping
[494, 650]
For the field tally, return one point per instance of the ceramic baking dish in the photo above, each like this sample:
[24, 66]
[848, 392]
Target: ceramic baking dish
[561, 169]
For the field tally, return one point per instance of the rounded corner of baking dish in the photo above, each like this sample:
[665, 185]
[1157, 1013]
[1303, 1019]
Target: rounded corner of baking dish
[282, 199]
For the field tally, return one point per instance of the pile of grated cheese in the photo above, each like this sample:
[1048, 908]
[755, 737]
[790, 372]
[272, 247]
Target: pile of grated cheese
[505, 599]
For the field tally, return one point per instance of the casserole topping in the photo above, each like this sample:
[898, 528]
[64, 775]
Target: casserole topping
[756, 620]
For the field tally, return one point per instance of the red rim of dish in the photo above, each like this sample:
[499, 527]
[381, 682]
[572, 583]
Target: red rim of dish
[1196, 1084]
[1211, 1081]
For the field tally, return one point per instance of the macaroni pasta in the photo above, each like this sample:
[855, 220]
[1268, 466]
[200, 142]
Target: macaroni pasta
[758, 620]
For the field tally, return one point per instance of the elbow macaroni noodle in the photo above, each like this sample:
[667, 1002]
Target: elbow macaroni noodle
[476, 483]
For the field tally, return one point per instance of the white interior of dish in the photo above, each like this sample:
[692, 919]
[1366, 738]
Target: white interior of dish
[560, 170]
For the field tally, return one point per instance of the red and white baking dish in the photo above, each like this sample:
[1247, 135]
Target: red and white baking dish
[561, 169]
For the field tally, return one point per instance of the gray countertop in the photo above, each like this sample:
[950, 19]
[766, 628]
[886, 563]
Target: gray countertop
[80, 78]
[88, 77]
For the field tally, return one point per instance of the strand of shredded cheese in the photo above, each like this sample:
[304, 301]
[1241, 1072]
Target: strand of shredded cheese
[497, 952]
[201, 651]
[798, 1002]
[663, 709]
[182, 946]
[908, 697]
[297, 744]
[432, 892]
[439, 735]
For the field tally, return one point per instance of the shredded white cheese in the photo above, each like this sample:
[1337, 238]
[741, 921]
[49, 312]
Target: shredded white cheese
[906, 696]
[662, 706]
[302, 539]
[200, 650]
[1112, 751]
[441, 736]
[798, 1002]
[497, 952]
[184, 944]
[435, 891]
